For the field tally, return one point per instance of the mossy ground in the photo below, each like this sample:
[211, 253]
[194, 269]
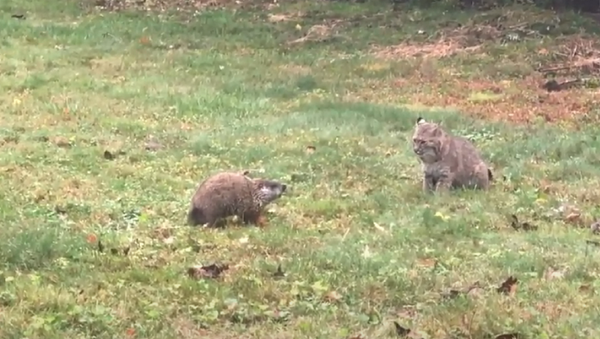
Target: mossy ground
[360, 244]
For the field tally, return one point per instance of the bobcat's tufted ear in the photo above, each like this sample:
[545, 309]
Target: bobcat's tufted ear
[420, 120]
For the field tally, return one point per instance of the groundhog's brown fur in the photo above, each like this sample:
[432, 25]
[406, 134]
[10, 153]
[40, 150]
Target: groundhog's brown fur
[232, 193]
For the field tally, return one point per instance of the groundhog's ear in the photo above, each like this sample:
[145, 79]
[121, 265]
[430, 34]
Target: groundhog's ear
[420, 120]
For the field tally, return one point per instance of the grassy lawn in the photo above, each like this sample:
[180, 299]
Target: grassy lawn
[331, 115]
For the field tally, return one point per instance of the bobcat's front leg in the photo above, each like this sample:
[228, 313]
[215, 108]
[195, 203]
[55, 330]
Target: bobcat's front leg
[428, 183]
[444, 182]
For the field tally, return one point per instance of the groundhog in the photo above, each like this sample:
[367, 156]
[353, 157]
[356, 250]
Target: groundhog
[448, 161]
[232, 193]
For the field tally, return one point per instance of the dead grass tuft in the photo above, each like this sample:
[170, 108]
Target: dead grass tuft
[451, 42]
[435, 50]
[317, 33]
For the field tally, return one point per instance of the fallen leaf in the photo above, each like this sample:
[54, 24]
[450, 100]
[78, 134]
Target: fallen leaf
[145, 40]
[310, 149]
[509, 286]
[62, 142]
[114, 251]
[162, 233]
[91, 238]
[108, 155]
[451, 294]
[279, 273]
[401, 331]
[508, 336]
[126, 250]
[572, 217]
[152, 144]
[595, 227]
[379, 228]
[585, 288]
[277, 17]
[517, 225]
[550, 274]
[332, 296]
[208, 271]
[441, 216]
[473, 290]
[427, 262]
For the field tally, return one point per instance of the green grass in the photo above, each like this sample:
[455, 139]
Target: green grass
[355, 235]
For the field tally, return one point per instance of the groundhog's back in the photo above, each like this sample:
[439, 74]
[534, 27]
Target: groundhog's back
[225, 192]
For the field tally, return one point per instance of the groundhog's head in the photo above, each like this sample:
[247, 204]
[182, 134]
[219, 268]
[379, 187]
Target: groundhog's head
[428, 140]
[268, 190]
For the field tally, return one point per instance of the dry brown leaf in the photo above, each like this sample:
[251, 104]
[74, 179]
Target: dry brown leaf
[332, 296]
[208, 271]
[572, 217]
[508, 336]
[310, 149]
[278, 17]
[553, 274]
[509, 286]
[62, 142]
[427, 262]
[585, 288]
[379, 228]
[401, 331]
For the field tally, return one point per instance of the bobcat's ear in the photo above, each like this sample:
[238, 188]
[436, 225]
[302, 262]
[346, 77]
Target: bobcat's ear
[420, 120]
[245, 173]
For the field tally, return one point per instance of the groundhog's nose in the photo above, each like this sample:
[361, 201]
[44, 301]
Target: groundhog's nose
[283, 187]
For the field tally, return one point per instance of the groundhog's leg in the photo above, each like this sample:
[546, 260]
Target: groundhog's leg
[482, 177]
[195, 217]
[254, 217]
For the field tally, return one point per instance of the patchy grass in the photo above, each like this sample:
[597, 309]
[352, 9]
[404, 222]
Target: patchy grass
[84, 94]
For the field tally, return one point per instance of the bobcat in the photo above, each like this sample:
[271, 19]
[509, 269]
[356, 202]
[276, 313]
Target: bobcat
[448, 161]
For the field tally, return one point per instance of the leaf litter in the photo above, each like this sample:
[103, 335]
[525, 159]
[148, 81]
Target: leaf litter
[211, 271]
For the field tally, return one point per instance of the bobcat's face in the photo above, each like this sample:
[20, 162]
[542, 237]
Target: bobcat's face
[427, 141]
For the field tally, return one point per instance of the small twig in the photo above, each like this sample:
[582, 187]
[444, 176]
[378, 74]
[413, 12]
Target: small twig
[554, 69]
